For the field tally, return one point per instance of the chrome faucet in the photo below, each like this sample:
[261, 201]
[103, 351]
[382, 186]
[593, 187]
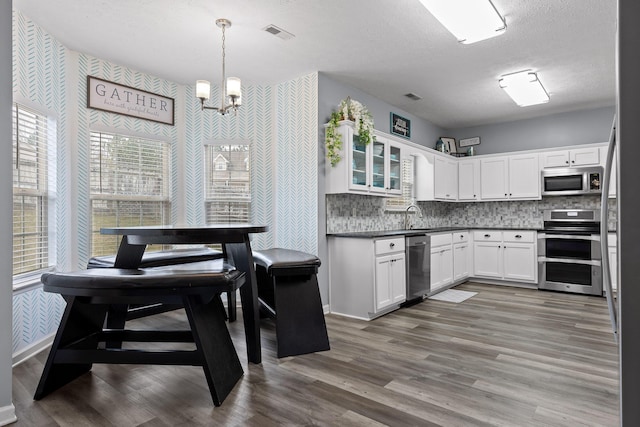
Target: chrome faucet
[406, 215]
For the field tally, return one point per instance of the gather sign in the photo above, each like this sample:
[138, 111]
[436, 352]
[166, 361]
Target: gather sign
[116, 98]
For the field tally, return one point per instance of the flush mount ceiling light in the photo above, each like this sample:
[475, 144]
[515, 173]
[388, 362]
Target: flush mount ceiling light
[469, 21]
[231, 90]
[524, 88]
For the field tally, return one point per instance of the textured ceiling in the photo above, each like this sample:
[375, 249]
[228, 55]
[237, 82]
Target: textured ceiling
[386, 48]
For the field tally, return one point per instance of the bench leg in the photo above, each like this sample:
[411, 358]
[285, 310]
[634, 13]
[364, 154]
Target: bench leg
[231, 306]
[300, 324]
[79, 320]
[220, 361]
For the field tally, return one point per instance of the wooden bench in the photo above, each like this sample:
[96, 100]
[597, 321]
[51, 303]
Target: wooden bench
[82, 339]
[288, 292]
[160, 259]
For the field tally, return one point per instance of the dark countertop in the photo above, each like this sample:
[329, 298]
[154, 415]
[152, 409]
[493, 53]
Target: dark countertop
[391, 233]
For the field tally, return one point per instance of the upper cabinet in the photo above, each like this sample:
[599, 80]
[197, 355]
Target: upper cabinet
[571, 158]
[510, 177]
[446, 178]
[469, 180]
[613, 181]
[374, 168]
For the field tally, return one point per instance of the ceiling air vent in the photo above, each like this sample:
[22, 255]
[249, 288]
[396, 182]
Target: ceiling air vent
[412, 96]
[278, 32]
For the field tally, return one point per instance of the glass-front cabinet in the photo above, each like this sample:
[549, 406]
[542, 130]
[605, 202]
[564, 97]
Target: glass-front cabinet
[374, 168]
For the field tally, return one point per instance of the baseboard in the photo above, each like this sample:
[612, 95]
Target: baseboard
[326, 309]
[33, 349]
[8, 415]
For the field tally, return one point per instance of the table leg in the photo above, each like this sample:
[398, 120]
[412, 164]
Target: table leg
[128, 256]
[242, 258]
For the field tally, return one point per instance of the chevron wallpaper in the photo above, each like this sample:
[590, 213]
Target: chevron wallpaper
[284, 162]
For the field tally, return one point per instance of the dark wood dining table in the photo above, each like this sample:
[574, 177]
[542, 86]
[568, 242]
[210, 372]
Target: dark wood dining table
[236, 246]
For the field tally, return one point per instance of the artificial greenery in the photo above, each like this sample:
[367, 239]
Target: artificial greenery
[348, 110]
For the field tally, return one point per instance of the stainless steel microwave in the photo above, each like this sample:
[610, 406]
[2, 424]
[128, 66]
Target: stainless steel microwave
[572, 181]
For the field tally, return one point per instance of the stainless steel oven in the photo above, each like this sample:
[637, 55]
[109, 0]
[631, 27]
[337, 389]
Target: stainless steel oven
[569, 253]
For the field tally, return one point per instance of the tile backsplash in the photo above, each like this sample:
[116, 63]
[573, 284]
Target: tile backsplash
[353, 212]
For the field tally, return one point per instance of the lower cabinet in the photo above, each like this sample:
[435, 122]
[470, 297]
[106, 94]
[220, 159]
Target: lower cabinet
[505, 255]
[450, 258]
[367, 276]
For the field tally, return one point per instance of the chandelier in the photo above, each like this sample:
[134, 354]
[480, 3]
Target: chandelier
[231, 91]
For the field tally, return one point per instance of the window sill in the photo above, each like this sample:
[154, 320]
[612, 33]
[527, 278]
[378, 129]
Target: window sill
[28, 281]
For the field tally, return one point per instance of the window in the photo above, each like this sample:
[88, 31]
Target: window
[130, 179]
[401, 203]
[33, 185]
[228, 188]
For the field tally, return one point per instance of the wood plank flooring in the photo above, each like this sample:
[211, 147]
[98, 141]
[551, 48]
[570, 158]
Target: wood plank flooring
[505, 357]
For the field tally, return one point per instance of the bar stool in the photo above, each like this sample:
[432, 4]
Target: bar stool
[288, 292]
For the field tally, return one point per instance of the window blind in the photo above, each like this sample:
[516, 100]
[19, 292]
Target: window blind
[227, 183]
[130, 185]
[31, 184]
[401, 203]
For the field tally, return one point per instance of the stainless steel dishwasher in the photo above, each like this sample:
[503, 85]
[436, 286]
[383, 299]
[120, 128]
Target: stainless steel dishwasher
[418, 268]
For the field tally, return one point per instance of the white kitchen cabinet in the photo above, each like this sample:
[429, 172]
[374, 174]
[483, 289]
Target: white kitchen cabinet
[494, 175]
[524, 177]
[469, 180]
[446, 178]
[571, 158]
[367, 276]
[441, 261]
[505, 255]
[373, 169]
[461, 255]
[510, 177]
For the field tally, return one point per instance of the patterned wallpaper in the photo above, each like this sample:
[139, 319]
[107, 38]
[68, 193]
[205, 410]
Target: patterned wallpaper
[283, 152]
[371, 216]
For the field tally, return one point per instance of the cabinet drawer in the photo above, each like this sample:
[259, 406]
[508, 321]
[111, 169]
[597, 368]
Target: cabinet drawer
[387, 246]
[487, 236]
[440, 239]
[519, 236]
[460, 236]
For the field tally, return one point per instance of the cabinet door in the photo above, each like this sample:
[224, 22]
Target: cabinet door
[519, 262]
[398, 278]
[460, 261]
[469, 180]
[383, 294]
[555, 159]
[584, 156]
[394, 170]
[446, 179]
[378, 165]
[360, 164]
[487, 259]
[441, 267]
[494, 178]
[524, 177]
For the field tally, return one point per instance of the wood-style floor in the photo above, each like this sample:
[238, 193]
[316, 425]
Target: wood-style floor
[507, 357]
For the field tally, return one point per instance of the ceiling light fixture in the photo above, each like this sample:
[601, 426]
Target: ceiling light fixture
[469, 21]
[524, 88]
[231, 89]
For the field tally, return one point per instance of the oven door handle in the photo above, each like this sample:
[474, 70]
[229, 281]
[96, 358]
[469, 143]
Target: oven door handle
[595, 262]
[593, 237]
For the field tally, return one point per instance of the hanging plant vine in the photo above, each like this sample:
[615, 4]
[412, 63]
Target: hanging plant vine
[348, 110]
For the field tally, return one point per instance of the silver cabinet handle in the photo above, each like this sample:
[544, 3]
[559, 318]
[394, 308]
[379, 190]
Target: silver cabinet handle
[391, 245]
[518, 236]
[487, 235]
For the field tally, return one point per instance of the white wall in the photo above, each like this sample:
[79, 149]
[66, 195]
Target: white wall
[7, 411]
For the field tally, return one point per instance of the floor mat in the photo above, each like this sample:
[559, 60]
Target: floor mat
[453, 295]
